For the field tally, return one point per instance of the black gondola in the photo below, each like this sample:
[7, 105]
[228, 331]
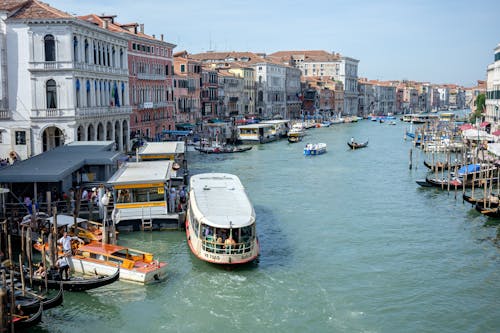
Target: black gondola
[355, 145]
[491, 212]
[440, 166]
[77, 283]
[223, 150]
[424, 183]
[22, 323]
[48, 303]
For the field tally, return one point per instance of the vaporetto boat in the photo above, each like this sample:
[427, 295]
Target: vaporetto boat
[220, 220]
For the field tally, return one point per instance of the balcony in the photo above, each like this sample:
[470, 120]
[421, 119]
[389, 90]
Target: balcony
[4, 114]
[51, 65]
[151, 105]
[69, 65]
[41, 114]
[102, 111]
[152, 77]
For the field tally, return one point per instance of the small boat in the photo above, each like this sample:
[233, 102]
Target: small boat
[315, 149]
[294, 138]
[135, 265]
[441, 166]
[97, 258]
[355, 145]
[392, 122]
[424, 183]
[223, 149]
[21, 323]
[76, 283]
[48, 303]
[220, 220]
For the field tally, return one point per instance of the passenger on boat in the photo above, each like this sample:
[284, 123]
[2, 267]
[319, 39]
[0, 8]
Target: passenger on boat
[229, 243]
[41, 270]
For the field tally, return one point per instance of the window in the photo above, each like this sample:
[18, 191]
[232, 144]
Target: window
[51, 90]
[20, 137]
[86, 51]
[77, 93]
[183, 67]
[75, 49]
[50, 48]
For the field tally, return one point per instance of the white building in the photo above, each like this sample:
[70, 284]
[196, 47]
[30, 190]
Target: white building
[63, 80]
[493, 91]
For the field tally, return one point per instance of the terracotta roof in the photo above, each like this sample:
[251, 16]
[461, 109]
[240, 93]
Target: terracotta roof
[311, 55]
[34, 9]
[11, 4]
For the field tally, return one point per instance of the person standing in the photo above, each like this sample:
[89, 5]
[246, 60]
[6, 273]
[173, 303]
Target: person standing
[65, 241]
[172, 198]
[63, 265]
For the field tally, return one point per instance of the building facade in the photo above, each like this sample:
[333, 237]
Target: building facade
[492, 113]
[69, 82]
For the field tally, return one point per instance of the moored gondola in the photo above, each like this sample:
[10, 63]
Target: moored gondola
[21, 323]
[77, 283]
[48, 303]
[440, 166]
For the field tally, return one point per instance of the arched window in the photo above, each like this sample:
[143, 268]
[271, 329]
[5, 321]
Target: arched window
[95, 54]
[123, 93]
[86, 51]
[51, 93]
[50, 48]
[87, 86]
[108, 63]
[77, 93]
[75, 49]
[121, 58]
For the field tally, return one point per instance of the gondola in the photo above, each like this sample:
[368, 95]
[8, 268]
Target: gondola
[223, 150]
[48, 303]
[491, 212]
[77, 283]
[424, 183]
[21, 323]
[355, 145]
[440, 166]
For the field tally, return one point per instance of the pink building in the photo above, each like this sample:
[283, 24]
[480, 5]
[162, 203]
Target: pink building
[151, 84]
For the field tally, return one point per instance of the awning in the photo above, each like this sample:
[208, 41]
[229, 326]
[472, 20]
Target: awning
[496, 133]
[173, 132]
[474, 134]
[466, 127]
[185, 125]
[484, 124]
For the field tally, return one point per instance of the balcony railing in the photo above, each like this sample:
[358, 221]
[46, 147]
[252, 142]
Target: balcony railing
[52, 113]
[145, 76]
[4, 114]
[98, 111]
[69, 65]
[151, 105]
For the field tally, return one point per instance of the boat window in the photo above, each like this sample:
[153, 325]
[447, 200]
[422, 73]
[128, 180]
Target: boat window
[207, 232]
[140, 195]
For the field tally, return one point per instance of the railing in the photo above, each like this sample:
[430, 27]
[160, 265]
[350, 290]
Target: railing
[145, 76]
[102, 111]
[218, 247]
[4, 114]
[65, 65]
[52, 113]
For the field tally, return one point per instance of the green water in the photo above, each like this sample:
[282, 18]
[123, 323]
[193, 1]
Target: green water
[349, 243]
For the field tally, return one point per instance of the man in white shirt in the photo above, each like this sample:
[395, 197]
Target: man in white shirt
[63, 265]
[65, 241]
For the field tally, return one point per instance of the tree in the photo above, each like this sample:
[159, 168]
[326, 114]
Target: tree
[480, 107]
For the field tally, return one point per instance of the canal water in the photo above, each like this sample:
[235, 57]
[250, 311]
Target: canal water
[349, 243]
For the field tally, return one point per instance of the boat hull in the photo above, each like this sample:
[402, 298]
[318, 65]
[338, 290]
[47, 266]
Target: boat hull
[219, 256]
[91, 266]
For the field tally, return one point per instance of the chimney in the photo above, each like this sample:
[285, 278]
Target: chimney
[141, 27]
[105, 24]
[161, 37]
[154, 37]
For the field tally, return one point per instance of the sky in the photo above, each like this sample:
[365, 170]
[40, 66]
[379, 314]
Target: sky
[437, 41]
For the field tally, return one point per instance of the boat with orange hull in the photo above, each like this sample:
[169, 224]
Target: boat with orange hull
[103, 259]
[220, 221]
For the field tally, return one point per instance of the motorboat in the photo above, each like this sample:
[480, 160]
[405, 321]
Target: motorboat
[315, 149]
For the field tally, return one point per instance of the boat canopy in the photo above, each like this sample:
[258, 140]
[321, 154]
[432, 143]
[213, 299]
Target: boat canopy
[469, 169]
[220, 200]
